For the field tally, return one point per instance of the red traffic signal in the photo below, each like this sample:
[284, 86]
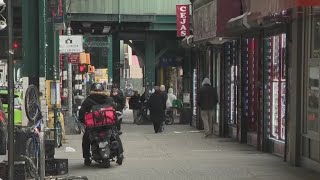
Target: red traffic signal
[15, 45]
[83, 68]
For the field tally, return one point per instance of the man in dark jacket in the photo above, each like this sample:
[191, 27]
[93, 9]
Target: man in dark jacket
[97, 97]
[207, 101]
[135, 105]
[157, 106]
[120, 101]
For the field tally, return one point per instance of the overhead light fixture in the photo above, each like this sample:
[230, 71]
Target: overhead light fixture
[2, 5]
[106, 29]
[86, 24]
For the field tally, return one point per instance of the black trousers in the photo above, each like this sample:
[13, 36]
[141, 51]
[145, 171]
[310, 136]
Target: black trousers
[86, 145]
[156, 126]
[119, 124]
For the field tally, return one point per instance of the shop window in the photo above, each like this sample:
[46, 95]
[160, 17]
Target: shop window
[277, 86]
[313, 99]
[315, 33]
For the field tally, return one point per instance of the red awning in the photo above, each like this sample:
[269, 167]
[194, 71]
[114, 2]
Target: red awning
[308, 2]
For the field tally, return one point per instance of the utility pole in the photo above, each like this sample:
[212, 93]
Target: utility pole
[42, 78]
[70, 93]
[11, 149]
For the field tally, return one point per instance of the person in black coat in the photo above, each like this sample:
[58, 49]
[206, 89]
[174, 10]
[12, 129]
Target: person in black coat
[157, 106]
[120, 102]
[97, 97]
[135, 105]
[207, 101]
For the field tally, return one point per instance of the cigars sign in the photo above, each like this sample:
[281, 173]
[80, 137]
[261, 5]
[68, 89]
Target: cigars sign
[183, 20]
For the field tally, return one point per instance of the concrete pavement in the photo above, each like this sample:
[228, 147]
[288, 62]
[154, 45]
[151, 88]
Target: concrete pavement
[181, 153]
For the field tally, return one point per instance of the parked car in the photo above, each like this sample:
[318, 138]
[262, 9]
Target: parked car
[3, 131]
[4, 97]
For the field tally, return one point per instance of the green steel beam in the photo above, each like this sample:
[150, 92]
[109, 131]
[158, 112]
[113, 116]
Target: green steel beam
[135, 49]
[30, 39]
[51, 51]
[116, 60]
[150, 63]
[42, 38]
[110, 59]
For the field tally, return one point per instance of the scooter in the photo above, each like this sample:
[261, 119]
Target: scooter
[104, 144]
[169, 120]
[144, 115]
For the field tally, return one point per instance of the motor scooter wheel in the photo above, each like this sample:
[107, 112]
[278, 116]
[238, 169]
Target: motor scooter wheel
[106, 163]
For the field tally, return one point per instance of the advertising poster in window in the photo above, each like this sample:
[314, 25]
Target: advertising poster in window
[275, 110]
[283, 109]
[194, 92]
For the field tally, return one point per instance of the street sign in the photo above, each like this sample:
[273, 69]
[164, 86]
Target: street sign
[70, 44]
[74, 58]
[59, 23]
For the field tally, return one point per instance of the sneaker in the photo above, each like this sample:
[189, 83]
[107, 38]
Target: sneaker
[120, 160]
[206, 136]
[120, 133]
[87, 161]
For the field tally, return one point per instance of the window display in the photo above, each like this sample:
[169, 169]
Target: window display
[315, 39]
[313, 100]
[278, 86]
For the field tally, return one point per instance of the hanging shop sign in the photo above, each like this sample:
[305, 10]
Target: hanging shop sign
[308, 2]
[183, 20]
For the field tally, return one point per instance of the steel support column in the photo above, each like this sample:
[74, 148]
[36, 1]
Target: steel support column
[110, 59]
[42, 75]
[30, 38]
[150, 63]
[116, 60]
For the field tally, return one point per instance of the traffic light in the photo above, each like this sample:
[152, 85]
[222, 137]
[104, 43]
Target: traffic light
[15, 45]
[83, 68]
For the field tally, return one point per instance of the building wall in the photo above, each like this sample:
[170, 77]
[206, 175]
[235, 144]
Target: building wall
[132, 7]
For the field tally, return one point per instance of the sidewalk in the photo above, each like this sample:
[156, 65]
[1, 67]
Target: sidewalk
[181, 153]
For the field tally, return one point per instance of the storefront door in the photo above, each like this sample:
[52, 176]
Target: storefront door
[275, 92]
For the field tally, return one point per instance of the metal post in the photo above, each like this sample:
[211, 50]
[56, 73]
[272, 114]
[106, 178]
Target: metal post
[11, 150]
[70, 93]
[42, 78]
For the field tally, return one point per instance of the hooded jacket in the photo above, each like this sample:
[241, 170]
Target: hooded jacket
[171, 98]
[207, 96]
[90, 101]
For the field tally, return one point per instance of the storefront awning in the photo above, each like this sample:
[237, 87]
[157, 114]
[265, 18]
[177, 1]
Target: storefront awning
[240, 24]
[187, 42]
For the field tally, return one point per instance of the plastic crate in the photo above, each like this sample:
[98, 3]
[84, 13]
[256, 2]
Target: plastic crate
[21, 138]
[20, 170]
[56, 167]
[49, 148]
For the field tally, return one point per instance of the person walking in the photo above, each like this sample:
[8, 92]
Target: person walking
[171, 98]
[120, 101]
[165, 95]
[135, 105]
[207, 101]
[157, 106]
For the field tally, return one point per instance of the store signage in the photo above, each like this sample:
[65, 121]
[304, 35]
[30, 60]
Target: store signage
[183, 20]
[74, 58]
[205, 21]
[70, 44]
[308, 2]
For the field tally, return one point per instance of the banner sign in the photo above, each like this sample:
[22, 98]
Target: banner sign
[183, 20]
[308, 2]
